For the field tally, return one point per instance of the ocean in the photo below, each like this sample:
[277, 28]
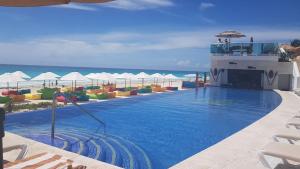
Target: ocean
[33, 70]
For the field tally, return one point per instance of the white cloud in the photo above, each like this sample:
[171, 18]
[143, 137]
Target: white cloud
[139, 4]
[206, 5]
[76, 7]
[64, 49]
[183, 63]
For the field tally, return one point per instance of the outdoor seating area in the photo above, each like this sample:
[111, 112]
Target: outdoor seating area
[285, 146]
[80, 88]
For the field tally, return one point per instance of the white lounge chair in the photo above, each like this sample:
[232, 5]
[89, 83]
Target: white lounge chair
[280, 150]
[289, 134]
[294, 122]
[45, 161]
[23, 150]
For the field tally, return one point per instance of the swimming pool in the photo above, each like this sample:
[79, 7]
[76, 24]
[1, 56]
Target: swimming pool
[154, 131]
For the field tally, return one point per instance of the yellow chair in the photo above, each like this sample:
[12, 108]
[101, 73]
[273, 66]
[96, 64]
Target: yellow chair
[36, 96]
[66, 89]
[123, 93]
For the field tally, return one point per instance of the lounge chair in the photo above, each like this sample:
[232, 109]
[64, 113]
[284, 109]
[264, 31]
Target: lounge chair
[23, 150]
[294, 122]
[44, 160]
[280, 150]
[289, 134]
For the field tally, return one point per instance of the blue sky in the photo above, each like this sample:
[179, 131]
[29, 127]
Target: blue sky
[150, 34]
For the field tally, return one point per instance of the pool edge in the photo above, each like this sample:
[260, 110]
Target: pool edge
[240, 149]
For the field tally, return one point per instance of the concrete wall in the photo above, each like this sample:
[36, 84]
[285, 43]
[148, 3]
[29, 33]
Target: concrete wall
[265, 63]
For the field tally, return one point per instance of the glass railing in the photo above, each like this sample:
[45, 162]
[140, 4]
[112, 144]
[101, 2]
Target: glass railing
[245, 49]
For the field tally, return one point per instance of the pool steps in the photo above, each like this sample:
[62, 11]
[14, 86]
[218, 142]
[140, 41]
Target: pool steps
[106, 148]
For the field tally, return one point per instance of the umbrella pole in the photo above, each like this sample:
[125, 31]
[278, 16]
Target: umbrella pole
[17, 86]
[75, 86]
[125, 83]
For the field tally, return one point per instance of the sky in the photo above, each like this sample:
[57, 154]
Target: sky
[146, 34]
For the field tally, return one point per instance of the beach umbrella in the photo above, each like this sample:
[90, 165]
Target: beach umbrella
[91, 76]
[45, 76]
[21, 74]
[157, 76]
[170, 77]
[9, 78]
[142, 76]
[49, 76]
[74, 77]
[32, 3]
[126, 76]
[52, 74]
[230, 34]
[103, 77]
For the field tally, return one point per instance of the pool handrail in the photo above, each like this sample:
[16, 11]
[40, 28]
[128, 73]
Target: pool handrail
[54, 103]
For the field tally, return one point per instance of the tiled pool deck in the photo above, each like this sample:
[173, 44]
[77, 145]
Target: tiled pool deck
[35, 147]
[240, 151]
[235, 152]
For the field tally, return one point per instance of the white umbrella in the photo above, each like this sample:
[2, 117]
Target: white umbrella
[49, 76]
[53, 74]
[21, 74]
[11, 78]
[90, 75]
[74, 76]
[157, 76]
[126, 76]
[142, 76]
[45, 76]
[170, 77]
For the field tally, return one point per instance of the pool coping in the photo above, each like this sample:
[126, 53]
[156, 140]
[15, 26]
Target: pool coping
[241, 149]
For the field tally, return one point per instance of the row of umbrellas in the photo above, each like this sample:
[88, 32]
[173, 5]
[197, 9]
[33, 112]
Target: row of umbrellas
[19, 76]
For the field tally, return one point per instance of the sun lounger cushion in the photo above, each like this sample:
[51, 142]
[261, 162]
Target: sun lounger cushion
[4, 100]
[188, 84]
[133, 92]
[145, 90]
[172, 88]
[24, 91]
[17, 98]
[9, 92]
[83, 98]
[36, 96]
[123, 93]
[92, 87]
[102, 96]
[92, 96]
[94, 91]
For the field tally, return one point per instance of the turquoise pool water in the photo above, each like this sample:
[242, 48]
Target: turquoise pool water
[155, 131]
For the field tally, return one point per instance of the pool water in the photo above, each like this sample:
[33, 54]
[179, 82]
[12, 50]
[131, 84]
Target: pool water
[154, 131]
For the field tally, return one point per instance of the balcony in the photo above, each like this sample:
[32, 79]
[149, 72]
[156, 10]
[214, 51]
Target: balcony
[245, 49]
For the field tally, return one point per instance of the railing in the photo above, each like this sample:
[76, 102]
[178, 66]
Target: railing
[245, 49]
[54, 105]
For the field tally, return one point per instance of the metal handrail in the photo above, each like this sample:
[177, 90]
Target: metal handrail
[54, 105]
